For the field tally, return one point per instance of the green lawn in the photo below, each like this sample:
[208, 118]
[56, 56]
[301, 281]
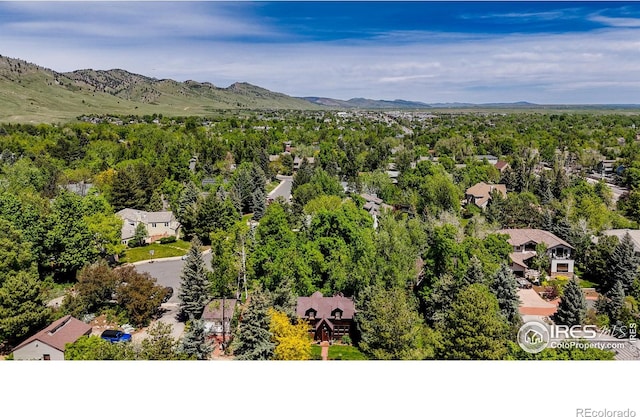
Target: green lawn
[271, 185]
[586, 283]
[167, 250]
[339, 352]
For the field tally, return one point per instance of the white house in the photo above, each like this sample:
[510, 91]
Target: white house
[49, 343]
[159, 224]
[524, 242]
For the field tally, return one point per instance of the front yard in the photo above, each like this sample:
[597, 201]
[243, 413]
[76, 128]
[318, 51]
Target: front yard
[338, 352]
[166, 250]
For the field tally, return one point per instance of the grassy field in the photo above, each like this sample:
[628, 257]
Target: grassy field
[339, 352]
[167, 250]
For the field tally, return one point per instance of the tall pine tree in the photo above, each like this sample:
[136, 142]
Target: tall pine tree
[194, 344]
[572, 309]
[622, 265]
[612, 303]
[253, 339]
[474, 274]
[194, 287]
[505, 288]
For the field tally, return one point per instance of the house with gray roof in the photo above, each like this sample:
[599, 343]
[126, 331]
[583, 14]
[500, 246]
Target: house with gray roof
[524, 243]
[159, 224]
[633, 234]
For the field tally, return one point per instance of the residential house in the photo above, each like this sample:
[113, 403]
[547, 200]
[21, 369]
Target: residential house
[49, 343]
[374, 206]
[297, 161]
[393, 174]
[605, 167]
[490, 158]
[480, 194]
[633, 233]
[217, 320]
[80, 188]
[159, 224]
[524, 242]
[330, 318]
[502, 166]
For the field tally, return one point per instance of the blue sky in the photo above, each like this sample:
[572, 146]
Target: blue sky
[543, 52]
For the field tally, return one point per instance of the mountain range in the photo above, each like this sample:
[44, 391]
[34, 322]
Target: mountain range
[31, 93]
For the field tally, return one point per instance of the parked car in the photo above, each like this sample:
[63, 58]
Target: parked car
[523, 283]
[168, 294]
[115, 336]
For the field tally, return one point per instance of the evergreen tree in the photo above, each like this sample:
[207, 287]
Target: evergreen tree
[474, 274]
[612, 303]
[253, 340]
[473, 327]
[194, 287]
[259, 204]
[390, 325]
[155, 203]
[505, 288]
[187, 210]
[572, 309]
[283, 299]
[22, 307]
[160, 345]
[194, 344]
[437, 303]
[623, 265]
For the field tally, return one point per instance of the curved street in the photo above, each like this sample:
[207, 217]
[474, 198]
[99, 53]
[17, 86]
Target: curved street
[167, 273]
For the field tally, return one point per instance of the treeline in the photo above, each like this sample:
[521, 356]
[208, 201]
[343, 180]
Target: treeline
[211, 172]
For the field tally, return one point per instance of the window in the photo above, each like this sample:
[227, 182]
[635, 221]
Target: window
[153, 225]
[337, 314]
[311, 314]
[166, 224]
[563, 268]
[46, 357]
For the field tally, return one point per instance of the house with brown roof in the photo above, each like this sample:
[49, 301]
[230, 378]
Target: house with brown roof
[524, 242]
[49, 343]
[502, 166]
[480, 194]
[330, 318]
[217, 320]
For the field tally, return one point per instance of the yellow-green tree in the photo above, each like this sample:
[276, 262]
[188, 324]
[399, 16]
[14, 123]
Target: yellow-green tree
[292, 340]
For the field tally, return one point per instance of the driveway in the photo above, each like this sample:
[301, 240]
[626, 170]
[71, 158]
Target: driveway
[169, 317]
[167, 271]
[283, 189]
[533, 305]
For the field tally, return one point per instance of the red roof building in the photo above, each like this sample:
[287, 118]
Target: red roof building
[49, 343]
[330, 318]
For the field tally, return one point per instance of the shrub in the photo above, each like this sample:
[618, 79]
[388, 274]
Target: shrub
[346, 340]
[168, 239]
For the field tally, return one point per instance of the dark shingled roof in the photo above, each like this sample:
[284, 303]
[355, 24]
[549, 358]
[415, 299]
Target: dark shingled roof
[65, 330]
[213, 310]
[325, 305]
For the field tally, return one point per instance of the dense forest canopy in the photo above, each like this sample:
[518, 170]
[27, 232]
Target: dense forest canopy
[436, 256]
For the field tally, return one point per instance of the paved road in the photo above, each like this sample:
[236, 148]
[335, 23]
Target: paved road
[167, 272]
[283, 189]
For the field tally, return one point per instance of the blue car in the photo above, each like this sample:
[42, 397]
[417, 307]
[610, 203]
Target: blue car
[115, 336]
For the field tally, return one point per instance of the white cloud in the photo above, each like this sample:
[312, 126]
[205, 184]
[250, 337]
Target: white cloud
[184, 43]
